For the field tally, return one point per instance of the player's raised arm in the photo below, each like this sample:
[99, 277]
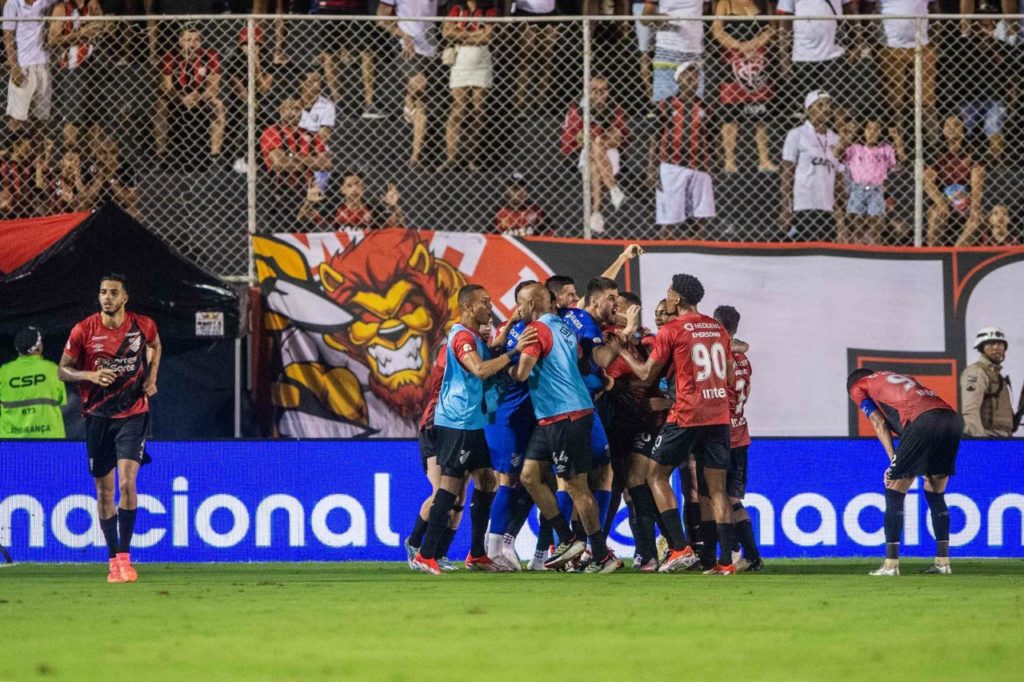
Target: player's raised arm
[630, 252]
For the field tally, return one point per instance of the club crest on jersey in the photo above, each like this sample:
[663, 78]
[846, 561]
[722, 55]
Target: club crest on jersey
[135, 345]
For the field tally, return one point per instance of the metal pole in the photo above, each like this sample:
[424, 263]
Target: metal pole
[918, 139]
[250, 200]
[238, 388]
[585, 105]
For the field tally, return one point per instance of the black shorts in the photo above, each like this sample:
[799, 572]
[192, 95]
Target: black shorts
[566, 444]
[736, 477]
[460, 452]
[710, 445]
[644, 439]
[427, 437]
[109, 440]
[928, 446]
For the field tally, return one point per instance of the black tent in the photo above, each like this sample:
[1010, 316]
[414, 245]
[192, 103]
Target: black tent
[49, 275]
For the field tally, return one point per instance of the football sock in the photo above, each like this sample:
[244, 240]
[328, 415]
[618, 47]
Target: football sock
[608, 520]
[126, 527]
[438, 522]
[564, 504]
[545, 535]
[745, 533]
[894, 500]
[644, 511]
[578, 531]
[561, 527]
[109, 528]
[479, 514]
[501, 510]
[446, 542]
[598, 548]
[691, 517]
[940, 522]
[673, 525]
[725, 534]
[419, 529]
[710, 531]
[603, 498]
[522, 505]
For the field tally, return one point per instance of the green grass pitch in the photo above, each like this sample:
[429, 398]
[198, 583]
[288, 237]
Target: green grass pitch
[799, 620]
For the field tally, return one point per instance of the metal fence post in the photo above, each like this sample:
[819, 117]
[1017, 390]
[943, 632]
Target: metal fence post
[250, 108]
[918, 136]
[585, 105]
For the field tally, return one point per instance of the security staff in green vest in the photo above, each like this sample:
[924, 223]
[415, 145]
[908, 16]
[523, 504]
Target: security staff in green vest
[31, 395]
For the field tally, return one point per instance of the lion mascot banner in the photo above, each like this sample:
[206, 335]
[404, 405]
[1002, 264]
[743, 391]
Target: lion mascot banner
[354, 320]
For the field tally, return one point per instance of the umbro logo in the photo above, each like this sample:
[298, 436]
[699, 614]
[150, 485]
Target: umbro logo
[463, 456]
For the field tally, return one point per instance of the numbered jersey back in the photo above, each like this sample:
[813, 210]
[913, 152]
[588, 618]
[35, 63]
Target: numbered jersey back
[739, 434]
[901, 398]
[698, 347]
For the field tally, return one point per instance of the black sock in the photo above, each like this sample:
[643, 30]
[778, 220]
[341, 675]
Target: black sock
[940, 521]
[109, 528]
[579, 533]
[125, 527]
[613, 511]
[560, 526]
[437, 522]
[598, 547]
[644, 509]
[672, 523]
[725, 535]
[419, 529]
[446, 542]
[522, 505]
[894, 500]
[691, 518]
[710, 531]
[479, 516]
[545, 535]
[745, 533]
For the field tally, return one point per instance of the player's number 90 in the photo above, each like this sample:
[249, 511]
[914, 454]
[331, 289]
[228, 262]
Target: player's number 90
[709, 361]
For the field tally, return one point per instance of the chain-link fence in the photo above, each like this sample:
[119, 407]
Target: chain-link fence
[739, 126]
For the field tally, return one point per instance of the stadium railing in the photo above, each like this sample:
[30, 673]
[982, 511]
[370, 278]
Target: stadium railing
[175, 118]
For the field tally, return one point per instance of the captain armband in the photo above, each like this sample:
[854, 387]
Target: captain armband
[868, 407]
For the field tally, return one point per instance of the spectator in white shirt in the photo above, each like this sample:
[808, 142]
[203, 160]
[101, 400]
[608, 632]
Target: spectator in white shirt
[29, 90]
[419, 49]
[896, 60]
[809, 166]
[318, 114]
[810, 46]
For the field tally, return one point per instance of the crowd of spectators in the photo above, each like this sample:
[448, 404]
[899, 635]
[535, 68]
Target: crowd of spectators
[818, 115]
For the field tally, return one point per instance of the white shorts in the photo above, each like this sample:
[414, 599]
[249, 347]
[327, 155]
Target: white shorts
[33, 97]
[644, 33]
[472, 67]
[613, 159]
[685, 193]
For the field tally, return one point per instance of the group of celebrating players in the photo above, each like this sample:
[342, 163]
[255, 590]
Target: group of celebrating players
[576, 408]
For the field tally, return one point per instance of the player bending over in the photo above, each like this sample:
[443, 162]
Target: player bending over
[930, 438]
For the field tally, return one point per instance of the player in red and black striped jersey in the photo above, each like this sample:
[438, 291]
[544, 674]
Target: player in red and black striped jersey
[698, 421]
[114, 356]
[739, 442]
[929, 440]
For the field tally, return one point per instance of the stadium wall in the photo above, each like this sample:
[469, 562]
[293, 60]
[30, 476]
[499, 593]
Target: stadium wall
[354, 501]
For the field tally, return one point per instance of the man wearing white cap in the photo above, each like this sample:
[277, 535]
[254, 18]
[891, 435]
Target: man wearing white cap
[681, 145]
[809, 166]
[985, 397]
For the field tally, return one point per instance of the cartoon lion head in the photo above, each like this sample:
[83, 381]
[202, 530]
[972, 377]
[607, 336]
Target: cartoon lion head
[404, 301]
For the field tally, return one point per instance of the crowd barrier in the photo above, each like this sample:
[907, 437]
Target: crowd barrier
[339, 501]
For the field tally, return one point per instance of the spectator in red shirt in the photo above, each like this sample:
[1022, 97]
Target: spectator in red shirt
[17, 181]
[356, 212]
[290, 157]
[518, 217]
[608, 133]
[189, 95]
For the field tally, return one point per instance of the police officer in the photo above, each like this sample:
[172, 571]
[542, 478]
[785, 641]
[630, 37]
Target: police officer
[31, 395]
[985, 393]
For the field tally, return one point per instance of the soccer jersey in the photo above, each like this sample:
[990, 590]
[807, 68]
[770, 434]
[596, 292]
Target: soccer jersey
[739, 435]
[630, 402]
[93, 346]
[589, 335]
[697, 345]
[556, 387]
[461, 404]
[901, 398]
[514, 398]
[814, 179]
[434, 382]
